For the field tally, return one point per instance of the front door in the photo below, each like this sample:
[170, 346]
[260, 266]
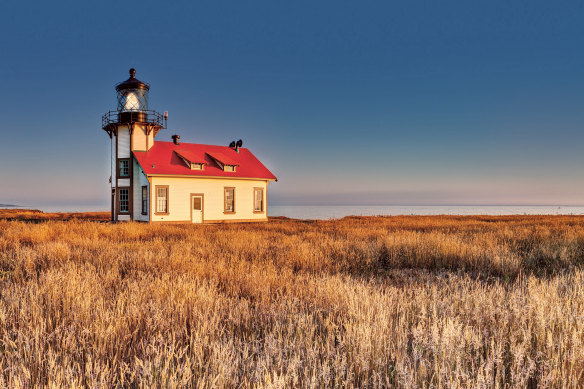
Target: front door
[197, 208]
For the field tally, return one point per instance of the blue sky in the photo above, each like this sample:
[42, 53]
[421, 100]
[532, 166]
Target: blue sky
[346, 102]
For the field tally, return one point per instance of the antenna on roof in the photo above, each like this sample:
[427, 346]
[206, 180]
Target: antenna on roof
[238, 145]
[232, 144]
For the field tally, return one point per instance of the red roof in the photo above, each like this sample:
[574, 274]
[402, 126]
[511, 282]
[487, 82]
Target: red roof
[161, 159]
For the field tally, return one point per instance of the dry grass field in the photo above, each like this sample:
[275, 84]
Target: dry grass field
[36, 215]
[359, 302]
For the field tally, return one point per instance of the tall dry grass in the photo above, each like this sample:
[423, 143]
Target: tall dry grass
[359, 302]
[37, 216]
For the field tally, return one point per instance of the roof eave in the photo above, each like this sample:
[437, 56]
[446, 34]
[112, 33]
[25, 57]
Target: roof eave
[200, 176]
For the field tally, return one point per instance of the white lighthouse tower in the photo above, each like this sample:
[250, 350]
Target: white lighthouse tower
[132, 127]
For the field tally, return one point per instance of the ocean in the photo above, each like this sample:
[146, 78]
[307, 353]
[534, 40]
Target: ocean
[338, 211]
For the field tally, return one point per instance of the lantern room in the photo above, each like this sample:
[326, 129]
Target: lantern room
[132, 94]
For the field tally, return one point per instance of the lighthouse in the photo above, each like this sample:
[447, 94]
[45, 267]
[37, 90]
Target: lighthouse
[132, 127]
[158, 181]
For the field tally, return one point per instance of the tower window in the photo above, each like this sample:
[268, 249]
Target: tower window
[258, 200]
[229, 200]
[162, 199]
[144, 200]
[124, 200]
[124, 167]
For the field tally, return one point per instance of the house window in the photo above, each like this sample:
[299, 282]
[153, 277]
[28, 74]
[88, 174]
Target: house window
[123, 167]
[229, 168]
[162, 199]
[144, 200]
[196, 166]
[229, 200]
[258, 200]
[124, 200]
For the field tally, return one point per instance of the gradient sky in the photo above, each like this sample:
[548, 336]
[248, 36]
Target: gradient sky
[410, 102]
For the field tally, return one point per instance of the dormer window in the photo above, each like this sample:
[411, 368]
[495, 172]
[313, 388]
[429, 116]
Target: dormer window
[224, 162]
[191, 160]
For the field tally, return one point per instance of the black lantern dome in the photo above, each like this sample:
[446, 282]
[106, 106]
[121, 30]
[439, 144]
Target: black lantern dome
[132, 108]
[132, 83]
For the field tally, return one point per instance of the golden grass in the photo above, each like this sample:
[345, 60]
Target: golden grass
[358, 302]
[36, 215]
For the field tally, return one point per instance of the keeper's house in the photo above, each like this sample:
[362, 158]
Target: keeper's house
[174, 182]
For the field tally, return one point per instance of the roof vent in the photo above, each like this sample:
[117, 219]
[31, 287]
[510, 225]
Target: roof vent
[236, 145]
[175, 139]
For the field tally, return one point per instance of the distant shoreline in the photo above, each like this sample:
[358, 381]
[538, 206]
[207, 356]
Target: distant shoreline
[318, 213]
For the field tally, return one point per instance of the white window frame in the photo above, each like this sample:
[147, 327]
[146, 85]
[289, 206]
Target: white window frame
[121, 201]
[261, 200]
[161, 201]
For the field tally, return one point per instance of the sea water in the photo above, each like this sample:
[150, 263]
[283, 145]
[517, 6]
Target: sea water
[338, 211]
